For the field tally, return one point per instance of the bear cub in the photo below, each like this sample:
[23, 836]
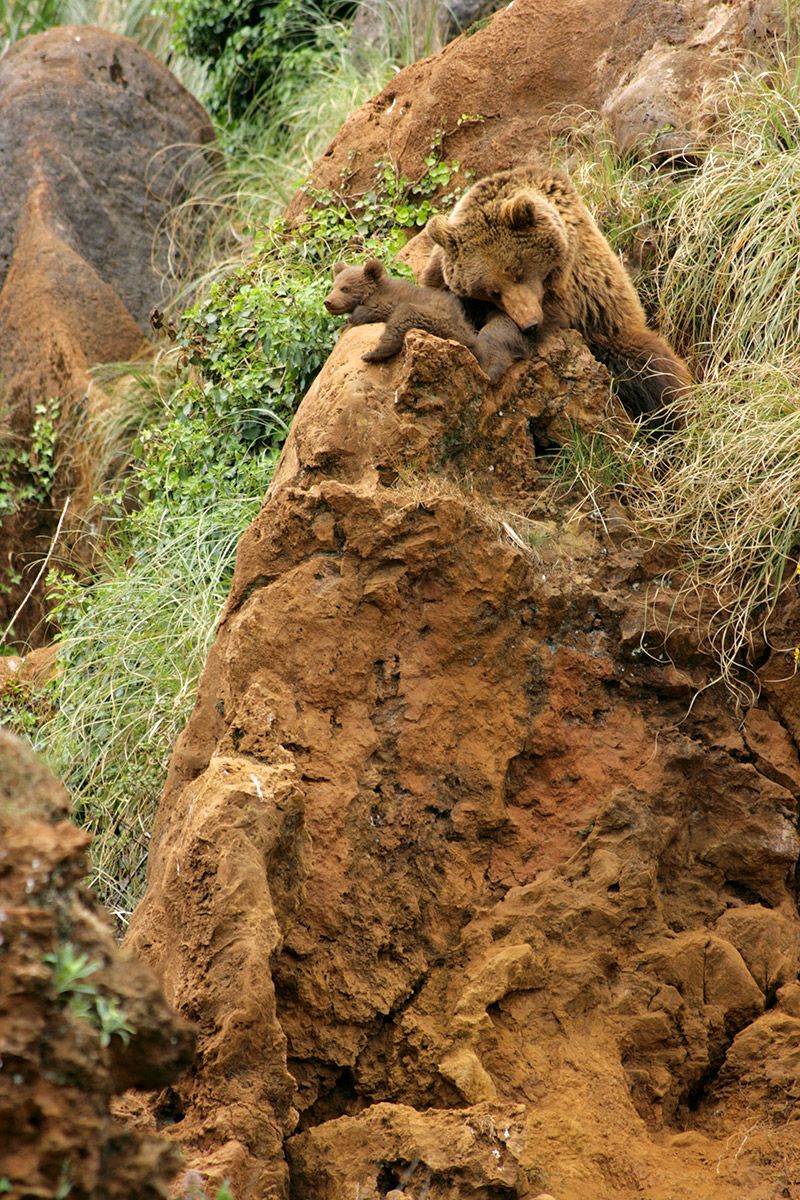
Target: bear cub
[370, 294]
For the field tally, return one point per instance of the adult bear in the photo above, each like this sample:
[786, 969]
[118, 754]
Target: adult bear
[524, 241]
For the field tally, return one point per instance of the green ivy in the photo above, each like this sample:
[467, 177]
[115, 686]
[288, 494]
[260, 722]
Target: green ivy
[254, 346]
[27, 471]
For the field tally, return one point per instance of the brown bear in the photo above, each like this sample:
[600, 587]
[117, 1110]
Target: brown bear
[523, 241]
[369, 294]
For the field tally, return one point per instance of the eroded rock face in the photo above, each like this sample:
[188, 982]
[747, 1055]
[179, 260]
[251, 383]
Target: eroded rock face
[443, 835]
[494, 97]
[97, 140]
[63, 1057]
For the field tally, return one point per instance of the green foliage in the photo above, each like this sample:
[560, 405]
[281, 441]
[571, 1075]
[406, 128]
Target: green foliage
[18, 18]
[112, 1021]
[71, 971]
[731, 284]
[132, 646]
[261, 336]
[194, 1187]
[27, 471]
[250, 47]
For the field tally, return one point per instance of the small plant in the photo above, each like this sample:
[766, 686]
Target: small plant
[112, 1021]
[23, 708]
[72, 970]
[194, 1187]
[27, 471]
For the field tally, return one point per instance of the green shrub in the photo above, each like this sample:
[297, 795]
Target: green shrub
[249, 48]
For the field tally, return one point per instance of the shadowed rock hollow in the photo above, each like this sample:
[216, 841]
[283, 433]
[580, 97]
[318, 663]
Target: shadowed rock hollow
[464, 899]
[57, 1077]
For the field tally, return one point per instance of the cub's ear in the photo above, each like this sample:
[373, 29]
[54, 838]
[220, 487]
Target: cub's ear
[519, 212]
[373, 268]
[337, 267]
[439, 231]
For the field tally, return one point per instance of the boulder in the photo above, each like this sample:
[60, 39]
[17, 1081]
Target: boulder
[98, 141]
[496, 95]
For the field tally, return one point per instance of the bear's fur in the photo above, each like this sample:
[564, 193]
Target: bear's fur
[500, 343]
[524, 241]
[369, 294]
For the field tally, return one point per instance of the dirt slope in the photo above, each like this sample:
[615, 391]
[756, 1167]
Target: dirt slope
[464, 897]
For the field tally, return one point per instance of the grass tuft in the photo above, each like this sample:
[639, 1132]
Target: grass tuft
[724, 489]
[132, 647]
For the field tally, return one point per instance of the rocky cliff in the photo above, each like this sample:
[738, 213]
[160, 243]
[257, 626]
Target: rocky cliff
[469, 880]
[466, 895]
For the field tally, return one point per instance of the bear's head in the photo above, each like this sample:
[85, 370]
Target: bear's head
[353, 285]
[505, 252]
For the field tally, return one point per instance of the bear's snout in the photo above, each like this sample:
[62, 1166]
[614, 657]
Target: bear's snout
[522, 304]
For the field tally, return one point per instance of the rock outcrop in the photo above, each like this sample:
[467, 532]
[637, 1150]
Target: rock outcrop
[78, 1023]
[98, 141]
[495, 96]
[466, 895]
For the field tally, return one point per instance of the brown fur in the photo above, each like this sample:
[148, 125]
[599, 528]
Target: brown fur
[499, 344]
[524, 241]
[369, 294]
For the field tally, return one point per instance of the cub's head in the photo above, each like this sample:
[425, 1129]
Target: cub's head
[504, 252]
[353, 285]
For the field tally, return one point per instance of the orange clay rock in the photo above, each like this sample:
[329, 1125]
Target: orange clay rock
[61, 1065]
[443, 853]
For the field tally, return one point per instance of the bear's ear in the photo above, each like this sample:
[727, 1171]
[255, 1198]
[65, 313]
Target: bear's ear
[373, 269]
[338, 267]
[439, 231]
[519, 212]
